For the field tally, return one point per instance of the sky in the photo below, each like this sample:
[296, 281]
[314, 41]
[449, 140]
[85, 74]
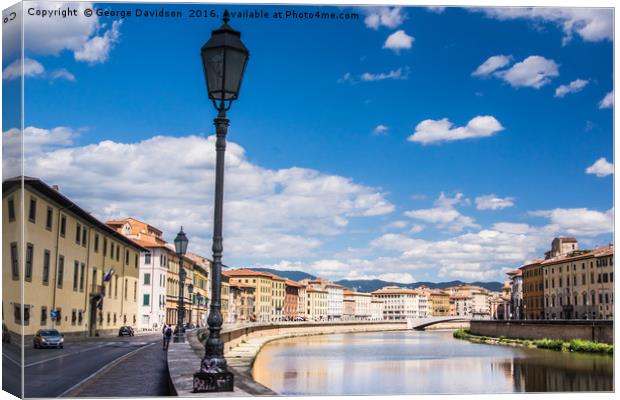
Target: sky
[409, 144]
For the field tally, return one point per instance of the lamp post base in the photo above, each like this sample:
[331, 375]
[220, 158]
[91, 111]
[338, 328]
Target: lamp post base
[213, 381]
[178, 337]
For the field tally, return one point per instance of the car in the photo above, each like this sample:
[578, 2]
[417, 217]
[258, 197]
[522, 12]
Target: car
[6, 336]
[48, 338]
[125, 331]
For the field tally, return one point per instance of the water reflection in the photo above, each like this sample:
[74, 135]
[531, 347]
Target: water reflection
[421, 362]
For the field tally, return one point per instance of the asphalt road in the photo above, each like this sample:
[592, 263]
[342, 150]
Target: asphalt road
[55, 372]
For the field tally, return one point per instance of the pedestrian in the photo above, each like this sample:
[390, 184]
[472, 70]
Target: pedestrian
[167, 336]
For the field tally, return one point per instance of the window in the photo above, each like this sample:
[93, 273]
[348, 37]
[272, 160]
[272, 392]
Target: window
[126, 257]
[135, 261]
[147, 258]
[48, 219]
[605, 278]
[574, 280]
[11, 207]
[84, 236]
[82, 272]
[78, 232]
[108, 318]
[147, 279]
[105, 247]
[135, 291]
[29, 254]
[94, 282]
[96, 243]
[146, 300]
[80, 317]
[17, 313]
[43, 315]
[32, 213]
[46, 267]
[599, 278]
[63, 225]
[593, 298]
[600, 298]
[59, 316]
[112, 250]
[583, 279]
[73, 316]
[26, 315]
[14, 261]
[118, 247]
[606, 298]
[116, 287]
[76, 271]
[125, 288]
[61, 271]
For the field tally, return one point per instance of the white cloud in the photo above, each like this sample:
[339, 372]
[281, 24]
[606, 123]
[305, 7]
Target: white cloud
[491, 64]
[62, 74]
[436, 9]
[416, 228]
[79, 34]
[347, 77]
[31, 68]
[380, 130]
[592, 24]
[443, 214]
[394, 74]
[608, 101]
[432, 131]
[534, 71]
[398, 41]
[578, 221]
[399, 277]
[97, 49]
[492, 202]
[575, 86]
[397, 224]
[601, 168]
[269, 213]
[390, 17]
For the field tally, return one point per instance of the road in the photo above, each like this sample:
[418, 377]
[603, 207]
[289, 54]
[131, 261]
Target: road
[58, 372]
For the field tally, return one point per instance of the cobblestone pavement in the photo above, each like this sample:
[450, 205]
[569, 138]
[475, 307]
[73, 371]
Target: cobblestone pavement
[143, 373]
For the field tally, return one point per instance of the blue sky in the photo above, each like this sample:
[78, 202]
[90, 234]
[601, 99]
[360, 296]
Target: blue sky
[361, 148]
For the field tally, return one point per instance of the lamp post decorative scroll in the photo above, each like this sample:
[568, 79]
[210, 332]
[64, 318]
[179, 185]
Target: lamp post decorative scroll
[224, 58]
[180, 245]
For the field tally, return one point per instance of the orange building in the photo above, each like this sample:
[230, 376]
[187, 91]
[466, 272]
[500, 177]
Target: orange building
[291, 300]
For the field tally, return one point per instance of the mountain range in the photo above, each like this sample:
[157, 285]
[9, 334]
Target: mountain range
[369, 285]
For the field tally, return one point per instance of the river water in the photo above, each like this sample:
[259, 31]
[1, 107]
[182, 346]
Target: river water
[415, 362]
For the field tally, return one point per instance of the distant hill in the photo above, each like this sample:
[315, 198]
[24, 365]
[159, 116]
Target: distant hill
[369, 285]
[292, 275]
[363, 285]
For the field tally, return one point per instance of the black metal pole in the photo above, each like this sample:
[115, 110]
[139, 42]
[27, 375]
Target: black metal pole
[214, 375]
[181, 302]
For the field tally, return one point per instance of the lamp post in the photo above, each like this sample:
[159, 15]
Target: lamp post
[180, 245]
[224, 58]
[190, 290]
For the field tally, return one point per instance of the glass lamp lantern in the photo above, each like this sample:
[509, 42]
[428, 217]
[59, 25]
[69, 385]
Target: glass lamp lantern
[224, 58]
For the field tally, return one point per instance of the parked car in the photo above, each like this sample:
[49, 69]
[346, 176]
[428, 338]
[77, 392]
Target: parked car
[125, 331]
[48, 338]
[6, 336]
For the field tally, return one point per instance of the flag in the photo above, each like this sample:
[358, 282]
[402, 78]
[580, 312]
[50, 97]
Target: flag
[108, 276]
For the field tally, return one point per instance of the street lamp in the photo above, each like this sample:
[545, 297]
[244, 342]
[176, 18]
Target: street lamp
[180, 245]
[224, 58]
[190, 290]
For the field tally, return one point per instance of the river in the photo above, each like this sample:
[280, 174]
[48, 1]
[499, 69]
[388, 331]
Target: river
[416, 362]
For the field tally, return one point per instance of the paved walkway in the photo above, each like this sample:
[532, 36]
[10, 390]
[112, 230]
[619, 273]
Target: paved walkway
[141, 373]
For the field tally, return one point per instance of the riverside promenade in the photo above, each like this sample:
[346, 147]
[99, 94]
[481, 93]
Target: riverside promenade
[241, 345]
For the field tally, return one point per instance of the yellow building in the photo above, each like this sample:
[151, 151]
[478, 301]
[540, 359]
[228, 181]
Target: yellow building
[200, 297]
[278, 296]
[317, 304]
[579, 284]
[62, 263]
[172, 288]
[263, 287]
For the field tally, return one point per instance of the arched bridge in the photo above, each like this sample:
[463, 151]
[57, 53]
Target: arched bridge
[421, 323]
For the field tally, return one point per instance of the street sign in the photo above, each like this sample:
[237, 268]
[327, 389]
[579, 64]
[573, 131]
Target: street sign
[54, 315]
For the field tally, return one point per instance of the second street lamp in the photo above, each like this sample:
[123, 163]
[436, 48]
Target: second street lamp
[180, 245]
[224, 58]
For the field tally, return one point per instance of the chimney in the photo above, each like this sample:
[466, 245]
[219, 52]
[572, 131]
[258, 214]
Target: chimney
[56, 188]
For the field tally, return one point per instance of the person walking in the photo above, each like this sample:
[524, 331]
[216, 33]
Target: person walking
[167, 336]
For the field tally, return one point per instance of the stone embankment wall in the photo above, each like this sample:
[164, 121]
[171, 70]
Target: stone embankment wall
[233, 335]
[595, 331]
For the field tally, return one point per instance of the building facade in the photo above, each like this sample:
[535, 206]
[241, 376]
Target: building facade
[402, 304]
[78, 275]
[317, 299]
[533, 290]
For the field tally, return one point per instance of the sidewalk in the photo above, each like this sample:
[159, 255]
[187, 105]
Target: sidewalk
[143, 372]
